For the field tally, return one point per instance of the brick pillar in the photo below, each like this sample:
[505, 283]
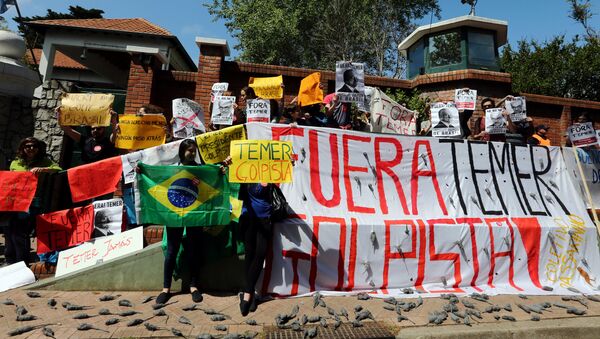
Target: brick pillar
[139, 86]
[565, 122]
[212, 55]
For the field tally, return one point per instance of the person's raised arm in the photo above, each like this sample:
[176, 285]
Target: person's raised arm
[73, 134]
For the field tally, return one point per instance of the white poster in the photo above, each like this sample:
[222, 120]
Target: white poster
[99, 250]
[388, 116]
[516, 108]
[258, 110]
[108, 217]
[166, 154]
[188, 118]
[495, 122]
[350, 81]
[365, 105]
[582, 135]
[15, 275]
[218, 89]
[465, 98]
[380, 213]
[445, 120]
[223, 109]
[590, 164]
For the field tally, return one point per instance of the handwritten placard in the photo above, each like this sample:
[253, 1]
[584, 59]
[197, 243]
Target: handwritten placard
[17, 190]
[465, 98]
[63, 229]
[583, 134]
[218, 89]
[222, 111]
[91, 109]
[258, 110]
[141, 131]
[99, 250]
[267, 88]
[188, 118]
[214, 146]
[259, 161]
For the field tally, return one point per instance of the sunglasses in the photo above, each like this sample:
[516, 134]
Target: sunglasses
[30, 146]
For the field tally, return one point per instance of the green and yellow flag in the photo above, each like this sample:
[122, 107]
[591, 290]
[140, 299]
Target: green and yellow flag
[178, 196]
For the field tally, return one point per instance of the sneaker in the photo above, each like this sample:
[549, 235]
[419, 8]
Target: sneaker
[163, 297]
[244, 305]
[197, 296]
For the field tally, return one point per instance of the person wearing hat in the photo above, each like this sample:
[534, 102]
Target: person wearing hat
[540, 136]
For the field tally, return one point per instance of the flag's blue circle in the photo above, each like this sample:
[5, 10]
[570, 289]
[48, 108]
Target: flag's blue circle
[182, 193]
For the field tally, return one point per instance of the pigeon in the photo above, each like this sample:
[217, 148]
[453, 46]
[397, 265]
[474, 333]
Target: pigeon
[33, 294]
[125, 303]
[184, 320]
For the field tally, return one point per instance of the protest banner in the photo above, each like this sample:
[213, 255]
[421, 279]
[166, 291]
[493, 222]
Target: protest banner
[18, 190]
[188, 118]
[93, 180]
[516, 108]
[165, 154]
[388, 116]
[310, 92]
[141, 131]
[495, 122]
[589, 159]
[258, 110]
[222, 110]
[465, 98]
[267, 88]
[90, 109]
[582, 135]
[260, 161]
[218, 89]
[350, 81]
[99, 250]
[385, 212]
[15, 275]
[108, 217]
[214, 146]
[445, 120]
[59, 230]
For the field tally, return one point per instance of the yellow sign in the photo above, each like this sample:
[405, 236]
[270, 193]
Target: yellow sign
[91, 109]
[141, 131]
[256, 161]
[310, 92]
[267, 88]
[214, 146]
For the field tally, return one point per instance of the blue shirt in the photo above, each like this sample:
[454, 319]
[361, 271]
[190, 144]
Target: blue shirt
[257, 200]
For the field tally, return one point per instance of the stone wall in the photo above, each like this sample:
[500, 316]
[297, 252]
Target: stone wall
[16, 123]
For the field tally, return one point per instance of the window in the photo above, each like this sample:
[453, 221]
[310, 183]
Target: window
[481, 49]
[415, 59]
[444, 49]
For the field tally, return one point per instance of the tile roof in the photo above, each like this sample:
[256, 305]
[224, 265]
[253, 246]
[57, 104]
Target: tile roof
[134, 25]
[60, 60]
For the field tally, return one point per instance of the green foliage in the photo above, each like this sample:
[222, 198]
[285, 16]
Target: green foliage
[75, 12]
[582, 13]
[316, 34]
[409, 99]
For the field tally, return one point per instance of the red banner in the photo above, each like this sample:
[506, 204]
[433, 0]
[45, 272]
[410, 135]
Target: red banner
[17, 189]
[63, 229]
[96, 179]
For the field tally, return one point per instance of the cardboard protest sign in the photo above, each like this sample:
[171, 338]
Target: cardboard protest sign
[445, 120]
[516, 108]
[465, 98]
[108, 217]
[583, 134]
[495, 122]
[259, 161]
[165, 154]
[222, 110]
[188, 118]
[310, 92]
[59, 230]
[214, 146]
[427, 214]
[267, 88]
[91, 109]
[99, 250]
[18, 190]
[93, 180]
[388, 116]
[15, 275]
[141, 131]
[218, 89]
[258, 110]
[350, 81]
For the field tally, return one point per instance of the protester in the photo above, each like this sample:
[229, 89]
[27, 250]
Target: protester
[582, 118]
[520, 132]
[338, 113]
[479, 132]
[540, 136]
[246, 93]
[31, 156]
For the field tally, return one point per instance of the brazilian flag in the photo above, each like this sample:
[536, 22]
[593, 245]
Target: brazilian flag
[178, 196]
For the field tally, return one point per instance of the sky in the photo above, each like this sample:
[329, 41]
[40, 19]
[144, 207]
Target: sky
[188, 19]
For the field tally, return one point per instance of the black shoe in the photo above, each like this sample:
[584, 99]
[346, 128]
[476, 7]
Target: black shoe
[253, 303]
[244, 305]
[163, 297]
[197, 296]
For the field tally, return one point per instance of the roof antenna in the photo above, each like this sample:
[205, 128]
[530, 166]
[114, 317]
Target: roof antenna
[471, 3]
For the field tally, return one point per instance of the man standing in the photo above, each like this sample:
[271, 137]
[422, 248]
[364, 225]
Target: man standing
[540, 136]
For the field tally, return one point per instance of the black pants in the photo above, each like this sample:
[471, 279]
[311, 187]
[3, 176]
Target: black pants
[257, 233]
[17, 239]
[190, 245]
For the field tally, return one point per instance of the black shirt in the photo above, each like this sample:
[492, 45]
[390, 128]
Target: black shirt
[93, 150]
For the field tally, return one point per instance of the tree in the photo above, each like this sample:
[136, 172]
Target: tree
[316, 34]
[582, 13]
[75, 12]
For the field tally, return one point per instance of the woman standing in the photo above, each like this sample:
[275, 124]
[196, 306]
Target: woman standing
[31, 156]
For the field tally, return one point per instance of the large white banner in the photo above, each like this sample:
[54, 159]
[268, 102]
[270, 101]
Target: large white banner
[590, 164]
[388, 116]
[381, 213]
[165, 154]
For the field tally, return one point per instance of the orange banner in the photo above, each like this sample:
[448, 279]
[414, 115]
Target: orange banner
[310, 92]
[63, 229]
[95, 179]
